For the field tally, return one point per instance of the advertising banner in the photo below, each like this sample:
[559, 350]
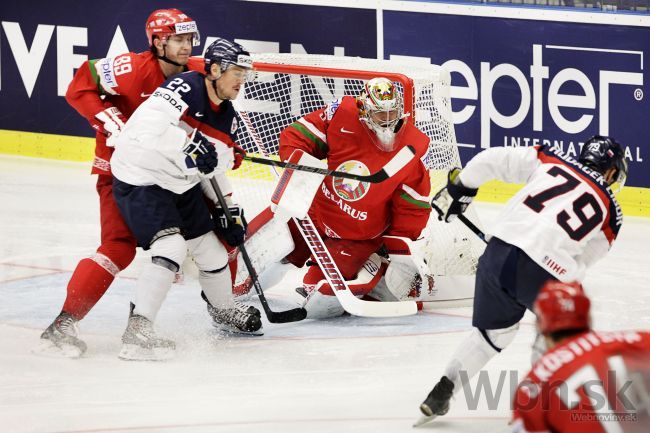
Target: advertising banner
[524, 82]
[41, 47]
[515, 82]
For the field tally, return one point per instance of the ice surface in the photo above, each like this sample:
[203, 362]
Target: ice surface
[341, 375]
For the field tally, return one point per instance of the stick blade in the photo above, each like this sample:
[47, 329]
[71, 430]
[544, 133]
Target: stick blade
[358, 307]
[403, 157]
[295, 315]
[423, 420]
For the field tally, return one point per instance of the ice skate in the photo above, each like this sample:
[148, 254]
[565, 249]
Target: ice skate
[437, 402]
[238, 319]
[140, 342]
[61, 338]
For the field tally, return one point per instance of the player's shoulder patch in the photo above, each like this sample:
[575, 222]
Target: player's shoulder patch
[108, 69]
[330, 109]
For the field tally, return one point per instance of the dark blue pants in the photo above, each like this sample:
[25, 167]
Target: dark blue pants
[507, 282]
[149, 209]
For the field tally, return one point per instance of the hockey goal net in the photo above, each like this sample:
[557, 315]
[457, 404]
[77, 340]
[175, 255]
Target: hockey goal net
[288, 86]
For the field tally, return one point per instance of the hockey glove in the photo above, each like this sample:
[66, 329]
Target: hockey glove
[110, 123]
[232, 233]
[453, 199]
[202, 151]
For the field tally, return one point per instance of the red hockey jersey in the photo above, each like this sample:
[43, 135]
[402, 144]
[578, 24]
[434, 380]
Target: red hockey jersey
[124, 81]
[355, 210]
[593, 383]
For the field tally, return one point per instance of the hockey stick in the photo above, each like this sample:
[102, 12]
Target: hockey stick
[395, 164]
[349, 302]
[470, 225]
[293, 315]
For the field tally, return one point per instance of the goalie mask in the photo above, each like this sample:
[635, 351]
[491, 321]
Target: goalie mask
[163, 23]
[381, 109]
[602, 153]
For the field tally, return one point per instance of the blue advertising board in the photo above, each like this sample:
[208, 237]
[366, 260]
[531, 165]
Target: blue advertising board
[40, 47]
[514, 81]
[527, 82]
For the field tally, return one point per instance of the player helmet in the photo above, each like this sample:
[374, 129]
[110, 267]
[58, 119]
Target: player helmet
[226, 53]
[163, 23]
[381, 109]
[602, 153]
[561, 306]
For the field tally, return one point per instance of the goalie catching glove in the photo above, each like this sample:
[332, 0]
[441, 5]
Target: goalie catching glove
[233, 233]
[453, 199]
[110, 123]
[202, 151]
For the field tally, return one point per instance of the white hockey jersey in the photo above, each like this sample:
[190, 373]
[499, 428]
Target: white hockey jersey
[149, 148]
[565, 217]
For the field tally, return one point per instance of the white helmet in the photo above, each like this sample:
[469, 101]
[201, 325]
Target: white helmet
[381, 109]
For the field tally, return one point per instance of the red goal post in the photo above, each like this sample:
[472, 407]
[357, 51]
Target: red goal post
[406, 82]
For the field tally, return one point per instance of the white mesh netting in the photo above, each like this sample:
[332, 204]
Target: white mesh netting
[280, 94]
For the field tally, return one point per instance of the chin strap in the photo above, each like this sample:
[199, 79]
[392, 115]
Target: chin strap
[166, 59]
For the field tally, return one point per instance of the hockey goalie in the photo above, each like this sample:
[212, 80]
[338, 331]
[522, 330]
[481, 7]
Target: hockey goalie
[372, 231]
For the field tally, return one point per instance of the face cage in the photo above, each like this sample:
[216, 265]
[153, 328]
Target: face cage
[385, 133]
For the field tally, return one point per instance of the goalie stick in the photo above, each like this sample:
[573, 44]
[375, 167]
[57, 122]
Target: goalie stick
[349, 302]
[293, 315]
[393, 166]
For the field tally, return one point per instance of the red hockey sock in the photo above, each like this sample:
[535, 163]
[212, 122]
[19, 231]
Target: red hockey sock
[87, 285]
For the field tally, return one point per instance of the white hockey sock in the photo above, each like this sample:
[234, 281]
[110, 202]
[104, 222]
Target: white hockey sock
[217, 287]
[472, 355]
[151, 290]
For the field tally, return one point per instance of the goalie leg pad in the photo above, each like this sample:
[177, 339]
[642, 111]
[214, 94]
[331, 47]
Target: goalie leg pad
[366, 279]
[321, 306]
[157, 276]
[269, 241]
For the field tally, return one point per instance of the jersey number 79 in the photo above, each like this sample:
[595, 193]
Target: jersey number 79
[579, 205]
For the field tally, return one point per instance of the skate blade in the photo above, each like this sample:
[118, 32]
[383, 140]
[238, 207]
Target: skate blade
[133, 352]
[424, 420]
[232, 331]
[48, 348]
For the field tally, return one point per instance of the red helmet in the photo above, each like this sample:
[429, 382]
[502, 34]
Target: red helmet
[561, 306]
[166, 22]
